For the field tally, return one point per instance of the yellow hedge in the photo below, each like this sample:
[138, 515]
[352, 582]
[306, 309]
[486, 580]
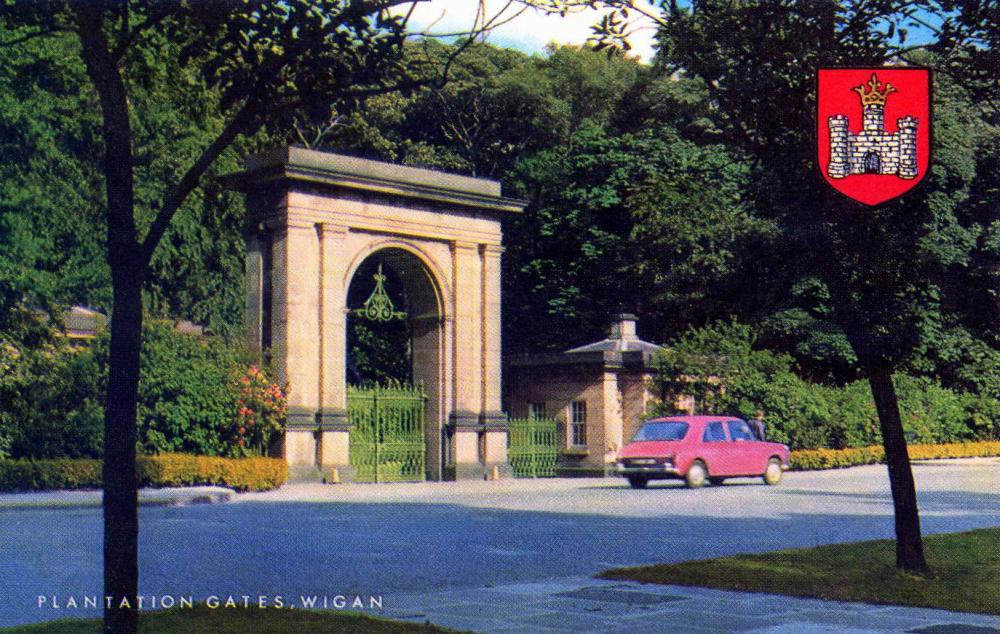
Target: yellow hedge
[242, 474]
[810, 459]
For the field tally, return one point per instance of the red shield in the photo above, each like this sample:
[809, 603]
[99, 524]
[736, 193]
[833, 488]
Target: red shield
[874, 130]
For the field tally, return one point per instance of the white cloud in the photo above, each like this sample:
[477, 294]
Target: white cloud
[530, 31]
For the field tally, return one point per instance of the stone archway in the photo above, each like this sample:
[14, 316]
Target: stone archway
[425, 316]
[314, 219]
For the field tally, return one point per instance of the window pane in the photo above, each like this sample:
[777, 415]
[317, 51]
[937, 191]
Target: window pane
[714, 432]
[669, 430]
[739, 430]
[578, 423]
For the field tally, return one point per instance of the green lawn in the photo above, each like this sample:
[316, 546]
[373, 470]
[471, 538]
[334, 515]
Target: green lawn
[966, 569]
[240, 621]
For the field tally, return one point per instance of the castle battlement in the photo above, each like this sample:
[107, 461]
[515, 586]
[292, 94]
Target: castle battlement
[873, 150]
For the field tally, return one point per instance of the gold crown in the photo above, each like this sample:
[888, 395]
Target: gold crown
[877, 92]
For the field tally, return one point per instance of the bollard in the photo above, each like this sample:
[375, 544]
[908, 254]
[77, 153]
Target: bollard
[334, 476]
[496, 472]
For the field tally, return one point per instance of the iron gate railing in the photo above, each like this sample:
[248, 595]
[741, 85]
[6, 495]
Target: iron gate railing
[533, 447]
[387, 441]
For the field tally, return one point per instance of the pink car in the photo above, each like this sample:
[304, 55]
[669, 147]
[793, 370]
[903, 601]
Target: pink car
[699, 449]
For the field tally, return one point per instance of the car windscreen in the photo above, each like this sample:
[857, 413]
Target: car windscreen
[664, 430]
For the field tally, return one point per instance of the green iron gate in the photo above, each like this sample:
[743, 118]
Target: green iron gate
[387, 433]
[533, 447]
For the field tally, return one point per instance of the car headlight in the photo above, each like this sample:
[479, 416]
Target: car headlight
[620, 465]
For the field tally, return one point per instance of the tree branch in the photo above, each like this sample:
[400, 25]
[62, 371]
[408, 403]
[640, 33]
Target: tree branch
[177, 194]
[30, 36]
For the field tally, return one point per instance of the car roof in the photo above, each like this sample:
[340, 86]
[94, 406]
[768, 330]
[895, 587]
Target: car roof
[701, 418]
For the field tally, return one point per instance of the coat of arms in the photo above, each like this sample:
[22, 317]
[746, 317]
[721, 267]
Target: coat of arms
[874, 130]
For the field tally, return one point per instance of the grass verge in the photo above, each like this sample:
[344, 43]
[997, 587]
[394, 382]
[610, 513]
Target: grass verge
[238, 621]
[966, 569]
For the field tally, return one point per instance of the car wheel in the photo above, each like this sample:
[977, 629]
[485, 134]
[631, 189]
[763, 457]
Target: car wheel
[638, 483]
[716, 481]
[697, 474]
[772, 474]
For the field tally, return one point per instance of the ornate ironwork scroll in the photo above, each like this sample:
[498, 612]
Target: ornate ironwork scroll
[379, 306]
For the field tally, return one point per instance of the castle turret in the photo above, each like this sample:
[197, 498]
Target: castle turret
[874, 117]
[839, 166]
[907, 147]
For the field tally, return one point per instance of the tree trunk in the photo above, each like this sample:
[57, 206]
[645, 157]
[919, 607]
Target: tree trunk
[128, 268]
[121, 513]
[909, 543]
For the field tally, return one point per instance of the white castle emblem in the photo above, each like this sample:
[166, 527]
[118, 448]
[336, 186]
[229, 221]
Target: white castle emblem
[873, 150]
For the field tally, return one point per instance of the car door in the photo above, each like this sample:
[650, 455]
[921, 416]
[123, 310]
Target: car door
[744, 450]
[714, 449]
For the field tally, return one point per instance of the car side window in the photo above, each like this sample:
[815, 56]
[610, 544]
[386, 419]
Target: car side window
[714, 432]
[740, 430]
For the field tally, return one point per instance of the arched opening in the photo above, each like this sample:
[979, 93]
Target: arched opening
[873, 163]
[394, 369]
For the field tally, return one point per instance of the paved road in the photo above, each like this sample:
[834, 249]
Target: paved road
[396, 541]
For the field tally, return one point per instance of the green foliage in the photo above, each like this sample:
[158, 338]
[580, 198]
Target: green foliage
[719, 365]
[53, 401]
[189, 397]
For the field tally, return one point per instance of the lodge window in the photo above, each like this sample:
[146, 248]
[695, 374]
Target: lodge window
[578, 423]
[537, 411]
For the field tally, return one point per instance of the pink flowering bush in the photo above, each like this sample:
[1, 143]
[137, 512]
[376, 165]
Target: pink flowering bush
[261, 407]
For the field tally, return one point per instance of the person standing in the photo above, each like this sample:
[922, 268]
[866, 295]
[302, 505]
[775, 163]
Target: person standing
[757, 424]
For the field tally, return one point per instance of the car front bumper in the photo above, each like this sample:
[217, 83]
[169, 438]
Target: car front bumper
[647, 470]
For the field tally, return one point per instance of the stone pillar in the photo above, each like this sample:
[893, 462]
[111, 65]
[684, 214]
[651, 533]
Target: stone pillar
[295, 329]
[613, 433]
[253, 313]
[467, 397]
[492, 417]
[839, 166]
[334, 428]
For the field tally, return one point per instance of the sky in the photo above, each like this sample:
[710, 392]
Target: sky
[530, 31]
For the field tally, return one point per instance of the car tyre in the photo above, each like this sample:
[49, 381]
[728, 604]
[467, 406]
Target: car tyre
[773, 472]
[716, 481]
[697, 475]
[638, 482]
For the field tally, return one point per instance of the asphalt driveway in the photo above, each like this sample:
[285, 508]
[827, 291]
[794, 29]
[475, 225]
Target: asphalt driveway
[393, 541]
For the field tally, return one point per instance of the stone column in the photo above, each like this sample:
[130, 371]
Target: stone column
[613, 432]
[493, 419]
[253, 312]
[467, 397]
[334, 428]
[296, 333]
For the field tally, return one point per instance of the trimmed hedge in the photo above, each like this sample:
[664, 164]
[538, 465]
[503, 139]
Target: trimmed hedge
[811, 459]
[242, 474]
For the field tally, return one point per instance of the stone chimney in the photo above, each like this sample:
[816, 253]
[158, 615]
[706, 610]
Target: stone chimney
[624, 327]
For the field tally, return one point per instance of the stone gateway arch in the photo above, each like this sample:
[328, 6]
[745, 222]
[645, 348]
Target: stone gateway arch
[314, 220]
